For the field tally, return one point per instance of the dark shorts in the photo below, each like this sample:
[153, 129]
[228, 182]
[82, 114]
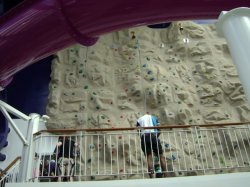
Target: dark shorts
[149, 143]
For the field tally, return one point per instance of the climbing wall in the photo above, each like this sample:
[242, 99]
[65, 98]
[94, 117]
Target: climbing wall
[183, 74]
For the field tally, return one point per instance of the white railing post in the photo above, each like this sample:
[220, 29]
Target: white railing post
[14, 111]
[28, 154]
[6, 109]
[199, 147]
[11, 175]
[12, 123]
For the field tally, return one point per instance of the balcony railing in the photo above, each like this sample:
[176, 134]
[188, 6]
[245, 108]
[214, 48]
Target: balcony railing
[11, 173]
[105, 154]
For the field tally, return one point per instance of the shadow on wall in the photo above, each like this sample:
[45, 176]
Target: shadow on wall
[28, 93]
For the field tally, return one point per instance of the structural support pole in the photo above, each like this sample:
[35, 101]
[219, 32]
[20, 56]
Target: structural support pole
[16, 129]
[235, 27]
[14, 111]
[28, 151]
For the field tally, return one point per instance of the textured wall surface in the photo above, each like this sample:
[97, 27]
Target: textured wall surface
[184, 74]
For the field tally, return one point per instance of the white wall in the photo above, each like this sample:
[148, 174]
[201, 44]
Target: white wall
[221, 180]
[15, 145]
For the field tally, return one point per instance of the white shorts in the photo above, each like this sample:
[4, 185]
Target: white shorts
[66, 166]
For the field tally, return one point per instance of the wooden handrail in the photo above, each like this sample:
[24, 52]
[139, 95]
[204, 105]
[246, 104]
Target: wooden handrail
[9, 166]
[71, 131]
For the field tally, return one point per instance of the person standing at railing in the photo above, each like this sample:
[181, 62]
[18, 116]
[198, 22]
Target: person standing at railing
[66, 156]
[150, 142]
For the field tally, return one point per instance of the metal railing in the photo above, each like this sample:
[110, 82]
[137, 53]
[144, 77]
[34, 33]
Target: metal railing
[11, 173]
[99, 154]
[33, 123]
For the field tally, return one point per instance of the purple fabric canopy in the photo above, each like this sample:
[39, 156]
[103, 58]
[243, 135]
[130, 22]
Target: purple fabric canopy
[35, 29]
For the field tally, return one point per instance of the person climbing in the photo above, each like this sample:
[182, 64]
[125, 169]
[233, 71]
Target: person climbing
[150, 142]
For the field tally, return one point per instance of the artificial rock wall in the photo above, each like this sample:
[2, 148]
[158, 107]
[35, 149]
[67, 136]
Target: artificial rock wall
[183, 74]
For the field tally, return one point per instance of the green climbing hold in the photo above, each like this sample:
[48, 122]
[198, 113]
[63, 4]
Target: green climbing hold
[222, 161]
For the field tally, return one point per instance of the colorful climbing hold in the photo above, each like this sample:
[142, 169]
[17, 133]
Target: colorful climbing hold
[91, 146]
[173, 157]
[113, 151]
